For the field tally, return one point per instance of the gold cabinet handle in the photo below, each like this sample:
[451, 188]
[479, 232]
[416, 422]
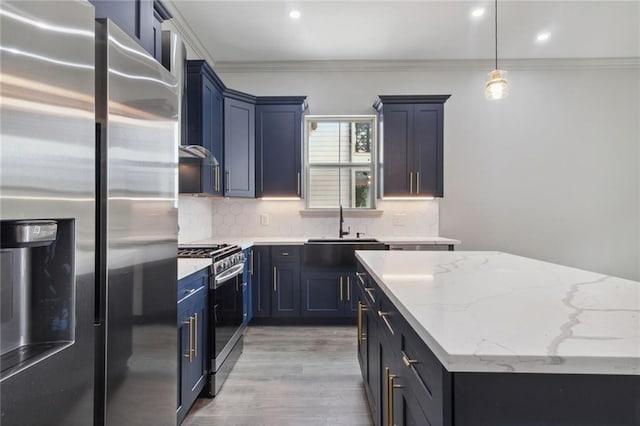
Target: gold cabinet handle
[389, 384]
[195, 335]
[360, 276]
[348, 288]
[251, 262]
[359, 323]
[417, 182]
[390, 378]
[408, 362]
[384, 315]
[217, 178]
[369, 291]
[227, 176]
[341, 289]
[361, 335]
[298, 183]
[411, 183]
[275, 279]
[189, 353]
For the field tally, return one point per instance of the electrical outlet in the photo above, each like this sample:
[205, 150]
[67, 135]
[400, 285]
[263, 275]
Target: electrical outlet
[264, 219]
[399, 219]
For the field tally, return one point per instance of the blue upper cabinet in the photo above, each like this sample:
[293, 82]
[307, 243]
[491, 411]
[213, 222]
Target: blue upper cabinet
[412, 144]
[140, 19]
[205, 109]
[279, 145]
[239, 144]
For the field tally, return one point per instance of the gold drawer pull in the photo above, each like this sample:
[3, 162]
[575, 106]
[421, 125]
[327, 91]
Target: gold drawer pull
[341, 298]
[384, 315]
[409, 362]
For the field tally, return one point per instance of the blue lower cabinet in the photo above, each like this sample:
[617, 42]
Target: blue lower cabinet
[260, 271]
[285, 298]
[329, 294]
[192, 340]
[323, 294]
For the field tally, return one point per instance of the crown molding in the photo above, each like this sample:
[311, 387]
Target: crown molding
[422, 65]
[186, 33]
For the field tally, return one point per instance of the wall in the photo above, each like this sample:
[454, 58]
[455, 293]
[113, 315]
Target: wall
[235, 217]
[551, 172]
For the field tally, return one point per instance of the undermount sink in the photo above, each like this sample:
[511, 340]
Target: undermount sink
[336, 253]
[342, 240]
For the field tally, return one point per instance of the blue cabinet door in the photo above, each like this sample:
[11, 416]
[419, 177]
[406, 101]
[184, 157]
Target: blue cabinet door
[260, 269]
[286, 290]
[279, 146]
[323, 294]
[428, 149]
[398, 147]
[204, 112]
[239, 147]
[192, 339]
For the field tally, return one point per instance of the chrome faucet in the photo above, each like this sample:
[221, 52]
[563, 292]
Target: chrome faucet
[343, 233]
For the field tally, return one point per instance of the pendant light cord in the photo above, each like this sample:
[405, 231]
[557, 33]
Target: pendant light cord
[496, 29]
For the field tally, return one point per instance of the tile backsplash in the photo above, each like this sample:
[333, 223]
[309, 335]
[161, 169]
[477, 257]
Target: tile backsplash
[233, 217]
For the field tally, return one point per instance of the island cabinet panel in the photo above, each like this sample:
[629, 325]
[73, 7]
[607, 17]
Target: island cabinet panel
[368, 341]
[239, 144]
[279, 146]
[285, 296]
[412, 144]
[407, 384]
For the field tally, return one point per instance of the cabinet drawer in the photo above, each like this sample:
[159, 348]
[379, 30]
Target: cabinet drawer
[423, 375]
[285, 253]
[189, 285]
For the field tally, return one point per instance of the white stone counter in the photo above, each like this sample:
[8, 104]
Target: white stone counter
[187, 267]
[496, 312]
[246, 242]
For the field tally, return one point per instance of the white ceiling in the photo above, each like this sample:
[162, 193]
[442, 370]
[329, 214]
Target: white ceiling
[412, 30]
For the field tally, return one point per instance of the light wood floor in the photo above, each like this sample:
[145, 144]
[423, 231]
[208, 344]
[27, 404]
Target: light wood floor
[302, 376]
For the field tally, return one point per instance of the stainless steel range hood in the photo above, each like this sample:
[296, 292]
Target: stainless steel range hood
[198, 152]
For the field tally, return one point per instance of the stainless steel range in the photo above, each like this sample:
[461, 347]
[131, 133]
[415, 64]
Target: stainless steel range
[225, 308]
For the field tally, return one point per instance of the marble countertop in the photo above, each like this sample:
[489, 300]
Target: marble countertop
[246, 242]
[187, 267]
[496, 312]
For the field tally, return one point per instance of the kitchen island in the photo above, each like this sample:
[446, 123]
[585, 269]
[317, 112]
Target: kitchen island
[488, 338]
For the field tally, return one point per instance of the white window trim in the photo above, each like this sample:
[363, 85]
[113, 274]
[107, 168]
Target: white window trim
[373, 165]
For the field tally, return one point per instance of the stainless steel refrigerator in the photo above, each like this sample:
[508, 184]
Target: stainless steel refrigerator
[88, 208]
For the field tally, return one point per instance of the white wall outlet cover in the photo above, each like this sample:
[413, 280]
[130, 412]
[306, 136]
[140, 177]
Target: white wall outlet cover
[399, 219]
[264, 219]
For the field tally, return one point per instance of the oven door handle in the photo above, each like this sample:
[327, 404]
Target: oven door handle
[229, 273]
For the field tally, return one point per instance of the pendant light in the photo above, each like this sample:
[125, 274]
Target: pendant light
[497, 86]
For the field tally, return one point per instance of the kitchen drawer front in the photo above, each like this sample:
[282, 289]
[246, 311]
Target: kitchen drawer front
[423, 375]
[285, 253]
[191, 284]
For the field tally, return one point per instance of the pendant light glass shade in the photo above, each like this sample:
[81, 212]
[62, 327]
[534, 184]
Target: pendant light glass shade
[497, 86]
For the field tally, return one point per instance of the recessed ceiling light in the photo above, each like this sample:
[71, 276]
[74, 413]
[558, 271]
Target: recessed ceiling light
[477, 13]
[295, 14]
[543, 36]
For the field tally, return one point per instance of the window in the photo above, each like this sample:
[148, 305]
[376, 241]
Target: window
[340, 160]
